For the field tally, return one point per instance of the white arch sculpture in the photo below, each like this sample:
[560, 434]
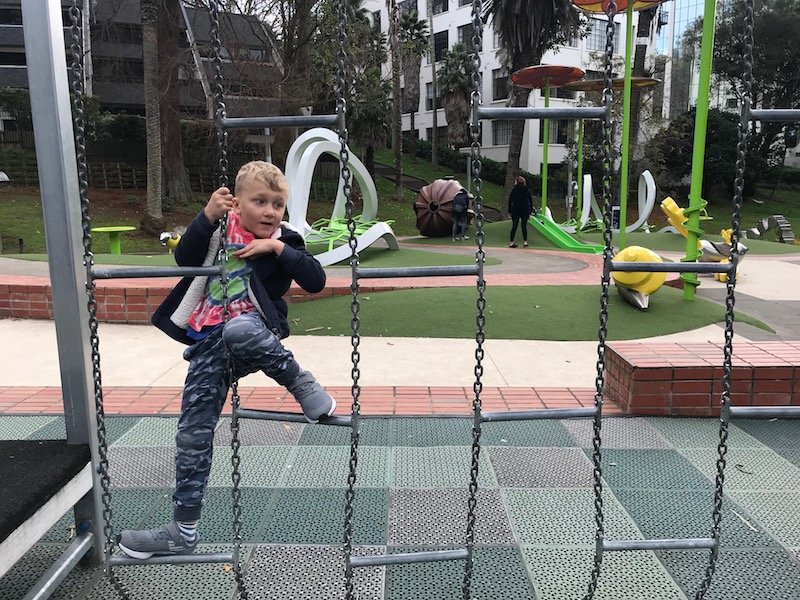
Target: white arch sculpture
[303, 155]
[647, 201]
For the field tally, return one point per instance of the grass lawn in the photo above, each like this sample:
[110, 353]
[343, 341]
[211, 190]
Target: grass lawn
[568, 313]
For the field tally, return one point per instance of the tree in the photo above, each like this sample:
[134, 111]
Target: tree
[414, 44]
[170, 58]
[638, 70]
[397, 109]
[369, 117]
[455, 81]
[432, 52]
[153, 221]
[776, 63]
[527, 29]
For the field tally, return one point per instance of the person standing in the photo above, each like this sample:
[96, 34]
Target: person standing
[520, 207]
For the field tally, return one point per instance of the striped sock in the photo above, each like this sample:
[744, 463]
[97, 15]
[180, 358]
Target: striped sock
[188, 530]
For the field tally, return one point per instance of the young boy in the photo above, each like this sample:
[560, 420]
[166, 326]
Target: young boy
[264, 256]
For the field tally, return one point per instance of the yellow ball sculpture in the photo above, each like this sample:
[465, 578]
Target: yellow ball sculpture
[644, 283]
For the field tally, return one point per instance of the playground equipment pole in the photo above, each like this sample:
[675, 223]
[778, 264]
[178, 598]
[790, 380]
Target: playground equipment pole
[690, 281]
[626, 125]
[546, 139]
[579, 175]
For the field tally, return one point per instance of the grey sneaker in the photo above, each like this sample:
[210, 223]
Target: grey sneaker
[164, 540]
[314, 400]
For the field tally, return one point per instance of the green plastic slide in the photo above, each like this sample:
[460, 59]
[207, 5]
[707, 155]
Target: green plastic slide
[560, 238]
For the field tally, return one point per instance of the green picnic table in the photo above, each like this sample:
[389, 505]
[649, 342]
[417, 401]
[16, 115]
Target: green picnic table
[113, 235]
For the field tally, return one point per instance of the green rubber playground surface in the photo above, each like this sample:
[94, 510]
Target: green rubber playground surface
[534, 530]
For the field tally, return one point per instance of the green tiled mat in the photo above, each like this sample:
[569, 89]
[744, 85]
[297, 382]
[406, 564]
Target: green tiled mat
[139, 466]
[687, 514]
[740, 575]
[563, 574]
[499, 574]
[151, 431]
[541, 467]
[316, 516]
[116, 427]
[429, 433]
[651, 469]
[321, 466]
[16, 583]
[19, 428]
[525, 433]
[260, 466]
[779, 512]
[617, 433]
[373, 432]
[439, 518]
[309, 573]
[774, 434]
[216, 524]
[748, 468]
[562, 517]
[259, 433]
[446, 467]
[700, 433]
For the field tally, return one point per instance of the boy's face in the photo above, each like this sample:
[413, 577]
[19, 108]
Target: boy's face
[259, 207]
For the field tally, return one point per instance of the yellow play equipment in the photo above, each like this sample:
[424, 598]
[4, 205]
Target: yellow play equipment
[644, 283]
[677, 216]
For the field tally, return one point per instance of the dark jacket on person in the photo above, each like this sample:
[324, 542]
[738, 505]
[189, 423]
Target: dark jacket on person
[520, 201]
[270, 278]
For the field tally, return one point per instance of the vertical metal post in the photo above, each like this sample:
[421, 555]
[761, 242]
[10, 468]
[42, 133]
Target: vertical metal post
[699, 148]
[626, 126]
[546, 140]
[58, 184]
[579, 176]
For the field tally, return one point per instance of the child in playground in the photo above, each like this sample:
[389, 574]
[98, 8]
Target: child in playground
[264, 256]
[520, 207]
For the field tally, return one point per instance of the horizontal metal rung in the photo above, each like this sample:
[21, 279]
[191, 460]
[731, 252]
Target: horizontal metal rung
[408, 558]
[775, 114]
[139, 272]
[665, 544]
[280, 121]
[268, 415]
[670, 267]
[549, 112]
[179, 559]
[766, 412]
[531, 415]
[443, 271]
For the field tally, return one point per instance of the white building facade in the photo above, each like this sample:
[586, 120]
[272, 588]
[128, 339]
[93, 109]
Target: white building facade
[452, 23]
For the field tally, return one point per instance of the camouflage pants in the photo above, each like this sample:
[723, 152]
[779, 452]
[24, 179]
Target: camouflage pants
[253, 348]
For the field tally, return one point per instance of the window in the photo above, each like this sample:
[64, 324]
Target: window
[501, 132]
[572, 42]
[439, 6]
[429, 97]
[440, 45]
[496, 39]
[118, 33]
[731, 103]
[464, 2]
[118, 70]
[559, 132]
[499, 84]
[465, 35]
[441, 135]
[596, 41]
[12, 59]
[561, 92]
[376, 20]
[10, 16]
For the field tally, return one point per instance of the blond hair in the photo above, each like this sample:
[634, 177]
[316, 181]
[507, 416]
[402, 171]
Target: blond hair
[264, 172]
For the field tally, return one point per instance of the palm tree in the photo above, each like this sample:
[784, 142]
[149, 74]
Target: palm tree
[369, 119]
[413, 45]
[432, 50]
[153, 221]
[527, 29]
[455, 81]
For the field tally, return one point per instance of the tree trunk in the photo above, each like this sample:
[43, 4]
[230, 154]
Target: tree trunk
[413, 138]
[369, 160]
[153, 220]
[638, 70]
[515, 143]
[171, 58]
[397, 123]
[435, 125]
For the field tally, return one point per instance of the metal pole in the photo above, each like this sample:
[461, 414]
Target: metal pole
[579, 201]
[699, 148]
[546, 139]
[626, 126]
[58, 185]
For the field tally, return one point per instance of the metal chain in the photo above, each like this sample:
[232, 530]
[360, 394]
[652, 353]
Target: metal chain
[355, 307]
[730, 300]
[223, 165]
[480, 319]
[602, 333]
[79, 126]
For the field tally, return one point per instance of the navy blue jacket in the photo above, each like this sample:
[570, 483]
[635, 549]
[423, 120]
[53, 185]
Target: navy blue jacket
[269, 281]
